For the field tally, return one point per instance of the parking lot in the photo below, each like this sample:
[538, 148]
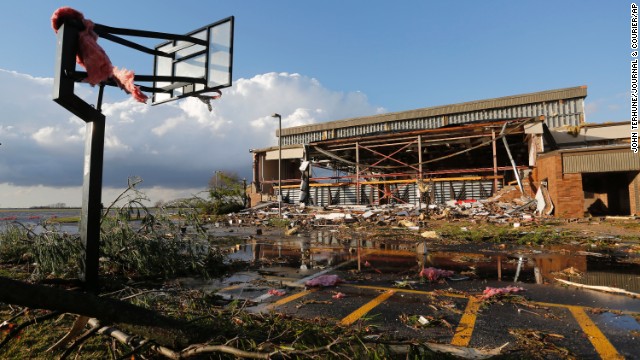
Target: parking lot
[564, 322]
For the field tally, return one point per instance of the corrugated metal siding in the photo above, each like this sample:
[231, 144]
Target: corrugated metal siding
[442, 192]
[595, 162]
[568, 112]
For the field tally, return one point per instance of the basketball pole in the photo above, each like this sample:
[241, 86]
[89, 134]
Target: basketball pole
[63, 94]
[279, 163]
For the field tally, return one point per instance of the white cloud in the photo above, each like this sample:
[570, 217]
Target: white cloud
[23, 196]
[173, 146]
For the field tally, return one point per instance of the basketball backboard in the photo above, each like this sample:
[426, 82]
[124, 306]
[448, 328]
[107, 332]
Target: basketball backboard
[195, 68]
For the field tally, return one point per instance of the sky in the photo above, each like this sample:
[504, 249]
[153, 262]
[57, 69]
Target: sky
[310, 61]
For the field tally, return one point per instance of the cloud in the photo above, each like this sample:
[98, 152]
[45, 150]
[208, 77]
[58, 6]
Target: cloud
[174, 146]
[607, 108]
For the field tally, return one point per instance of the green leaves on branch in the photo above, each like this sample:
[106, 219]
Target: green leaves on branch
[226, 194]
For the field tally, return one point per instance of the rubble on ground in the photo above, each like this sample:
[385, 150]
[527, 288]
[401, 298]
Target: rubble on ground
[508, 206]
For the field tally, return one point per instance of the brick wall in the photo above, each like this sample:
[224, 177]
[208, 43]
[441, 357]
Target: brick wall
[565, 190]
[634, 193]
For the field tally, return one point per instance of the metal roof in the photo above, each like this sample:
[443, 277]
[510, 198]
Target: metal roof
[600, 160]
[466, 107]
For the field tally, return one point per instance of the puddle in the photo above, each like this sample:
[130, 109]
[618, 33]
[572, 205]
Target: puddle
[621, 322]
[319, 251]
[323, 249]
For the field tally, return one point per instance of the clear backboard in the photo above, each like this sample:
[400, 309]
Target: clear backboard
[194, 67]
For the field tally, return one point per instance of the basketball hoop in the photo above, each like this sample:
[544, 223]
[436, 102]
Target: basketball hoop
[207, 98]
[192, 64]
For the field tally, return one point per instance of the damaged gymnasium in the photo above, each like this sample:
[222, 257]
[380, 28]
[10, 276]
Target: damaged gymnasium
[536, 143]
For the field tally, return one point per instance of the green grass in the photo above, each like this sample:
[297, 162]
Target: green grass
[64, 220]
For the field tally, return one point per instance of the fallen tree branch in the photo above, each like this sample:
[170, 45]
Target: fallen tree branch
[80, 340]
[200, 349]
[139, 320]
[608, 289]
[75, 330]
[106, 309]
[189, 351]
[19, 328]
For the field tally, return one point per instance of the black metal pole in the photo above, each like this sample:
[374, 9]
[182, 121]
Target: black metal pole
[92, 198]
[244, 193]
[63, 94]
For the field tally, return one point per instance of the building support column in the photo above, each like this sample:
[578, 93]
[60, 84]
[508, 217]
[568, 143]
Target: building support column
[419, 182]
[495, 161]
[357, 174]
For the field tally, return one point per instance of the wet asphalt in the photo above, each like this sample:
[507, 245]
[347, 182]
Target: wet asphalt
[387, 299]
[541, 308]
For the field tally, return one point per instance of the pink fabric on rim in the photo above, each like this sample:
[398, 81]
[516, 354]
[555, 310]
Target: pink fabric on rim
[92, 56]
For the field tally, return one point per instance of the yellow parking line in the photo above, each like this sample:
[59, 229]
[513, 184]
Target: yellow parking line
[598, 340]
[464, 330]
[410, 291]
[289, 299]
[351, 318]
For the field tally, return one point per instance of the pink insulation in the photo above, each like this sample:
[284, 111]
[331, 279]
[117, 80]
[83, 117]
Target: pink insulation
[490, 292]
[339, 295]
[276, 292]
[92, 56]
[324, 280]
[433, 274]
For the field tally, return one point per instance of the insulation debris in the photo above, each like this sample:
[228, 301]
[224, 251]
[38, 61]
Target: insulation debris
[276, 292]
[324, 280]
[491, 292]
[433, 274]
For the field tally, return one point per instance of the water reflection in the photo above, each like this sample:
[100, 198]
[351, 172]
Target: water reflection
[320, 251]
[324, 249]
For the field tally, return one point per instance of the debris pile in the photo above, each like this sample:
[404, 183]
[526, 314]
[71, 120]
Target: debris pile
[506, 206]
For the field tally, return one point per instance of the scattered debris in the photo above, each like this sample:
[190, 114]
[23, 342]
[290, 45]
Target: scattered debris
[407, 223]
[404, 284]
[339, 295]
[311, 301]
[276, 292]
[429, 234]
[541, 343]
[433, 274]
[491, 292]
[570, 271]
[324, 281]
[368, 264]
[462, 352]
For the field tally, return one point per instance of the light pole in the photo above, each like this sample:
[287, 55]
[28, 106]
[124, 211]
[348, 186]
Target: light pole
[279, 163]
[217, 173]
